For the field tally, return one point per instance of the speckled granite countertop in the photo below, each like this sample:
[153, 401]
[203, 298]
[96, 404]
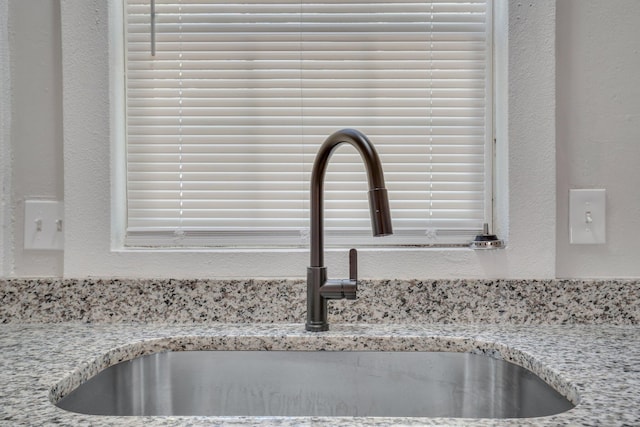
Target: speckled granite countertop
[583, 337]
[284, 301]
[596, 365]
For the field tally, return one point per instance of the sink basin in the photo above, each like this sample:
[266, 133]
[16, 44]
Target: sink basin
[317, 383]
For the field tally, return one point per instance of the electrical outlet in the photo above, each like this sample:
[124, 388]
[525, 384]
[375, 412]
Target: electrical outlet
[587, 218]
[43, 225]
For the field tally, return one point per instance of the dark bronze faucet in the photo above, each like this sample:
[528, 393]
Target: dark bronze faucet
[319, 287]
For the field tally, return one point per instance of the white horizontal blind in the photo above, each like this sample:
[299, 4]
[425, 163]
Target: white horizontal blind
[224, 121]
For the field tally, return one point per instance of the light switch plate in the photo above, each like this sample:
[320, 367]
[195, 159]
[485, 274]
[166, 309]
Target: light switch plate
[587, 217]
[43, 225]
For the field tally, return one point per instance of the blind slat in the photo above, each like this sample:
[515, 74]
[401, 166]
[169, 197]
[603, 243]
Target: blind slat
[223, 123]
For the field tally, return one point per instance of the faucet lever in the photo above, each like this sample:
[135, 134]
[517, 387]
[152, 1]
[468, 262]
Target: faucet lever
[353, 265]
[343, 288]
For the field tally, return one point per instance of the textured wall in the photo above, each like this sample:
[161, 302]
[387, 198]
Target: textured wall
[598, 130]
[6, 252]
[36, 125]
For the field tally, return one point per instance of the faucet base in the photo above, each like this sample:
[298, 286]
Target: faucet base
[317, 326]
[316, 305]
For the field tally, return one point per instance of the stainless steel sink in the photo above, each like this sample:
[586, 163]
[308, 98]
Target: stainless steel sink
[317, 383]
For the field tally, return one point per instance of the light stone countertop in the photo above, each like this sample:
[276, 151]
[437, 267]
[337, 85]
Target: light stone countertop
[581, 336]
[597, 366]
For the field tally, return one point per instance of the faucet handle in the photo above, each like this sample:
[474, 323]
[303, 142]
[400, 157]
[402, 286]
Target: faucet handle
[353, 265]
[349, 290]
[343, 288]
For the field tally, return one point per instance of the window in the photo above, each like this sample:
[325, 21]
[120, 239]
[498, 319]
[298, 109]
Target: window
[227, 103]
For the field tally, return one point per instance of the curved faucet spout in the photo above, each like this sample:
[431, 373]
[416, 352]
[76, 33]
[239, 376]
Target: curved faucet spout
[378, 200]
[319, 288]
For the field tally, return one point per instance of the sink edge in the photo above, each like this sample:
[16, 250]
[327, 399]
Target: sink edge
[313, 342]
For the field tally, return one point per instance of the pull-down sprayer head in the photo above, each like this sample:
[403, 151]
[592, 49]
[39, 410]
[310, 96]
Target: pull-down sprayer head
[380, 213]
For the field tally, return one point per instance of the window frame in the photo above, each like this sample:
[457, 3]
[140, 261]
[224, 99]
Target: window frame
[206, 239]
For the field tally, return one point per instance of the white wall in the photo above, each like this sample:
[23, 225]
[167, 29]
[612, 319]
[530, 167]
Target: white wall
[6, 253]
[36, 127]
[596, 147]
[598, 130]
